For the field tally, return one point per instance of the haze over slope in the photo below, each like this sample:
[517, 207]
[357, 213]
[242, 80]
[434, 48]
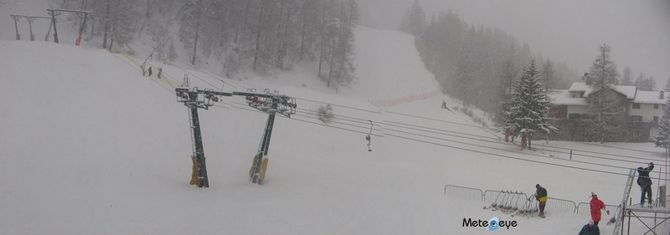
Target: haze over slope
[90, 146]
[566, 30]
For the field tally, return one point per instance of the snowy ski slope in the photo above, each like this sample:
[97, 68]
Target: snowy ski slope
[90, 146]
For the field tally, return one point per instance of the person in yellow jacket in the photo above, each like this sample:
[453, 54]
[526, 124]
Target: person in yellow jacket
[541, 196]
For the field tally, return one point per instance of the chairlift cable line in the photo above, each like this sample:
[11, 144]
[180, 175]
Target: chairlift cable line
[544, 149]
[465, 149]
[456, 123]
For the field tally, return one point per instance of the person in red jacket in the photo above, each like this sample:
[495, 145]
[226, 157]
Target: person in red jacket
[596, 206]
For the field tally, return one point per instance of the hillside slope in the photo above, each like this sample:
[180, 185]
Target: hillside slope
[90, 146]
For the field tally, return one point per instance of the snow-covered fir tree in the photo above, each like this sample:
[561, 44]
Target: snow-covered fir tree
[627, 79]
[478, 64]
[415, 20]
[528, 107]
[609, 116]
[603, 70]
[645, 83]
[548, 75]
[663, 137]
[259, 35]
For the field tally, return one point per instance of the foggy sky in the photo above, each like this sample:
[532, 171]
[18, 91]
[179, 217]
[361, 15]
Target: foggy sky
[564, 30]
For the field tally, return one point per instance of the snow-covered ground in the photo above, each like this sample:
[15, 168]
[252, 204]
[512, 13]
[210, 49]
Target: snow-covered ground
[90, 146]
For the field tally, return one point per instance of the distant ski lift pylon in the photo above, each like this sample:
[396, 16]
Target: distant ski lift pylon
[368, 137]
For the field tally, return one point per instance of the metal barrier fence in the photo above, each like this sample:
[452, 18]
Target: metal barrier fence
[464, 192]
[557, 204]
[514, 199]
[585, 207]
[491, 196]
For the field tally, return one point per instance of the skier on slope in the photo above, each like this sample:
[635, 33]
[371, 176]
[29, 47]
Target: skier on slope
[541, 196]
[645, 182]
[144, 71]
[596, 206]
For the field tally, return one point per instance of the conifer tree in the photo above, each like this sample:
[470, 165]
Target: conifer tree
[414, 21]
[663, 136]
[528, 108]
[603, 71]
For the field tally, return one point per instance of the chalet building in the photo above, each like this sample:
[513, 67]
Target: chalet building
[637, 112]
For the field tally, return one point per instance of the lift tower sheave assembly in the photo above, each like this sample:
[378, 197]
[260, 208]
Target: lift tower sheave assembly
[194, 100]
[271, 104]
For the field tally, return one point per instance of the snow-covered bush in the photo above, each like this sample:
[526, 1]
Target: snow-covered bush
[326, 113]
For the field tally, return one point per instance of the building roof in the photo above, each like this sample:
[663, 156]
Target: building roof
[563, 97]
[650, 97]
[580, 86]
[628, 91]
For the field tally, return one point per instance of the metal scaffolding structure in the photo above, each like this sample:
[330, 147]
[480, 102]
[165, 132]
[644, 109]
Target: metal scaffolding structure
[644, 216]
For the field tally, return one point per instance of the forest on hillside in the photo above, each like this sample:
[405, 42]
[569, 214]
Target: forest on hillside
[477, 64]
[259, 35]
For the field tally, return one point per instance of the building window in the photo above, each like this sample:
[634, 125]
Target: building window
[655, 106]
[636, 118]
[636, 106]
[655, 118]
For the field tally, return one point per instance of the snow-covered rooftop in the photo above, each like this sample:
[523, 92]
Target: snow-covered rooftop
[580, 86]
[562, 97]
[628, 91]
[650, 97]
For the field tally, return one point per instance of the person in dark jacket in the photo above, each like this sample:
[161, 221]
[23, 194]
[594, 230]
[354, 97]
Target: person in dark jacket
[541, 196]
[590, 229]
[645, 182]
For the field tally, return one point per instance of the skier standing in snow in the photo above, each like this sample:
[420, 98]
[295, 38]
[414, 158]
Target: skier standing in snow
[144, 71]
[596, 206]
[541, 196]
[645, 182]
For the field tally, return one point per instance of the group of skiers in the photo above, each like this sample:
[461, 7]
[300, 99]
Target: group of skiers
[597, 205]
[147, 72]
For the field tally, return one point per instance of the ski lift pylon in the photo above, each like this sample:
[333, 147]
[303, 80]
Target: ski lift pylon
[368, 137]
